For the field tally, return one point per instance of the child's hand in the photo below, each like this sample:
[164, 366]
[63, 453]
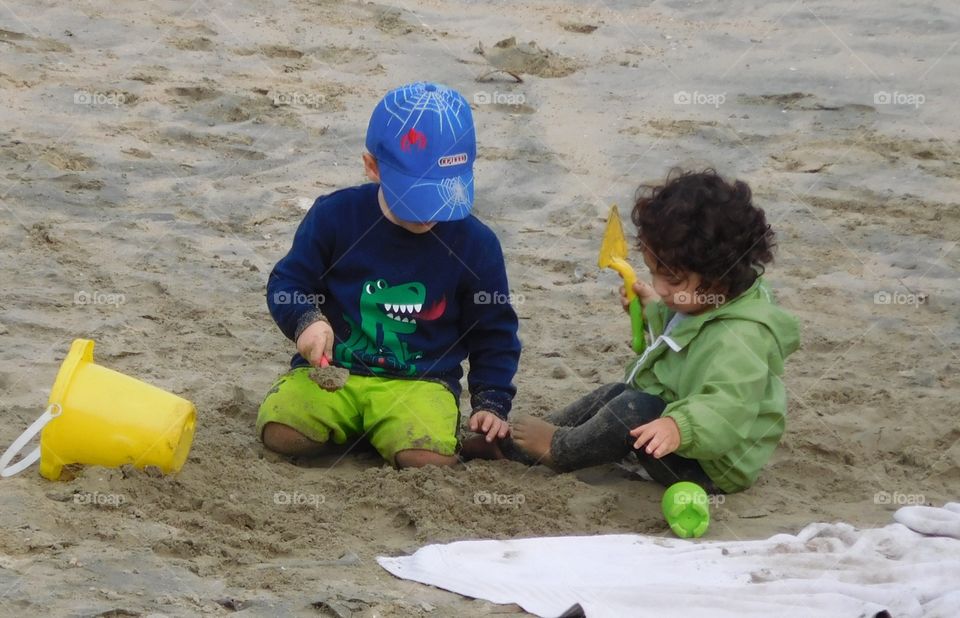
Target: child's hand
[490, 424]
[644, 292]
[315, 342]
[661, 436]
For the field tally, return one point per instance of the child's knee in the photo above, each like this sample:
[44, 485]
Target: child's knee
[286, 440]
[417, 458]
[635, 407]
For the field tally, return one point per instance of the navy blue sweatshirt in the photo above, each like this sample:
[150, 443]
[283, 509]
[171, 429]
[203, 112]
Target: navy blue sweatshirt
[401, 304]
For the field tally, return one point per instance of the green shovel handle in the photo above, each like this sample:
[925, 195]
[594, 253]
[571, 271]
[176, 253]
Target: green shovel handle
[636, 326]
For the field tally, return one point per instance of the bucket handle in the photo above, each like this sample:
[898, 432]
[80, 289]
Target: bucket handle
[52, 412]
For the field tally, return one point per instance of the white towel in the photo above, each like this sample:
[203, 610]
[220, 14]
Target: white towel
[911, 568]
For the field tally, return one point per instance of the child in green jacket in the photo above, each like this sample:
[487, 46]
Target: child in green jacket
[705, 402]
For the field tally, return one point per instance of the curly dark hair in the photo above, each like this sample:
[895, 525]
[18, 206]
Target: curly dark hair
[697, 222]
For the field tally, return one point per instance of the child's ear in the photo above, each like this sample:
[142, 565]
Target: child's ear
[370, 167]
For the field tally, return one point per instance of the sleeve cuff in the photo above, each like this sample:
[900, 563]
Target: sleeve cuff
[305, 320]
[683, 424]
[497, 402]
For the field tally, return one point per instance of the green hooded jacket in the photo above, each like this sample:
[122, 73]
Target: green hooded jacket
[720, 374]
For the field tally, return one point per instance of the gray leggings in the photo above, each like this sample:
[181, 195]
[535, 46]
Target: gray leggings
[595, 430]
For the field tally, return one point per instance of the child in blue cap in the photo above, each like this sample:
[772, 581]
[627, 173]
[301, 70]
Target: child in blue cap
[397, 282]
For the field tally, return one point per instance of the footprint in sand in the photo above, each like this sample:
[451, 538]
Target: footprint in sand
[280, 51]
[194, 93]
[31, 44]
[516, 59]
[228, 108]
[63, 159]
[197, 44]
[136, 152]
[390, 20]
[801, 101]
[578, 27]
[231, 146]
[351, 59]
[73, 183]
[149, 74]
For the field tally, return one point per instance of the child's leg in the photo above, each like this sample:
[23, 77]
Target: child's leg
[297, 417]
[411, 423]
[603, 438]
[574, 414]
[286, 440]
[673, 468]
[584, 408]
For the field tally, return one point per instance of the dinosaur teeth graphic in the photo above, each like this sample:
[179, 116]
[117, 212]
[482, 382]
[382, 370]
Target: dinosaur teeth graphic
[394, 312]
[417, 307]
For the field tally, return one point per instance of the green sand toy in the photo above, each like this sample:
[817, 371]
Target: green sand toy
[685, 506]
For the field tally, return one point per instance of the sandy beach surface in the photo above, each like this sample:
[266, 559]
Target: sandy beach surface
[156, 158]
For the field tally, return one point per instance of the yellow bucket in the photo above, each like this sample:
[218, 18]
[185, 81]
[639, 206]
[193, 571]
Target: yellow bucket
[100, 417]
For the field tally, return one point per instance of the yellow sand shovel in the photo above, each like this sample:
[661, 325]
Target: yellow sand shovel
[613, 254]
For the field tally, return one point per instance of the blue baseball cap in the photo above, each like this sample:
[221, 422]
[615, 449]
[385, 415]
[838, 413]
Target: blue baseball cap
[423, 139]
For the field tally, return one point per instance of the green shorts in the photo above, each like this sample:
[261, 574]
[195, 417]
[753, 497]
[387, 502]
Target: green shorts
[393, 414]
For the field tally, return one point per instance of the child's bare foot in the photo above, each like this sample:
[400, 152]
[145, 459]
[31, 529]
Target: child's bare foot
[477, 447]
[533, 436]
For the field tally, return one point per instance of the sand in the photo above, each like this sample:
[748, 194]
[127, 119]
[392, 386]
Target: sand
[157, 157]
[330, 378]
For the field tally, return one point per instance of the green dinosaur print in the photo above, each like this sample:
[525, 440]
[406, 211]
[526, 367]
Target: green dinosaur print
[386, 312]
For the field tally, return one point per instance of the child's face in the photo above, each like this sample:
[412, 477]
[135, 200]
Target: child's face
[410, 226]
[678, 290]
[372, 171]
